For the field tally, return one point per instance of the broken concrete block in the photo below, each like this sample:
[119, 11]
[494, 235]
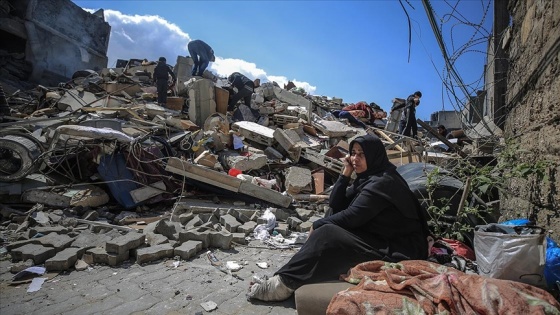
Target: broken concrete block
[57, 241]
[202, 174]
[265, 194]
[247, 227]
[154, 239]
[87, 239]
[298, 179]
[273, 154]
[185, 217]
[88, 195]
[304, 227]
[247, 163]
[294, 222]
[304, 214]
[239, 238]
[168, 229]
[91, 215]
[288, 144]
[147, 192]
[254, 132]
[221, 239]
[242, 215]
[40, 218]
[100, 256]
[123, 244]
[333, 129]
[38, 253]
[281, 214]
[283, 229]
[206, 158]
[64, 259]
[188, 249]
[193, 223]
[320, 159]
[196, 235]
[230, 223]
[152, 253]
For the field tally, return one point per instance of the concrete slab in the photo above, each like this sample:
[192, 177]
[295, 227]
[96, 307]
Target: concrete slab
[152, 253]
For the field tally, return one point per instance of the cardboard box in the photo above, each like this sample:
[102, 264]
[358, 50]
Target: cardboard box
[222, 99]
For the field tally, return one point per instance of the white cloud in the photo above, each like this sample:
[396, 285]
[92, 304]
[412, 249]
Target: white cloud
[151, 36]
[143, 36]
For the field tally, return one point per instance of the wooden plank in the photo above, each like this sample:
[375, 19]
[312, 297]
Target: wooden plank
[387, 138]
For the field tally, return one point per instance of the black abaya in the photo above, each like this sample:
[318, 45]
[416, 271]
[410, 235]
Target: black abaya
[375, 218]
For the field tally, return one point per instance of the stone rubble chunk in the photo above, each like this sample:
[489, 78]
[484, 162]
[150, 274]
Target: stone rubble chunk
[121, 245]
[188, 249]
[64, 259]
[152, 253]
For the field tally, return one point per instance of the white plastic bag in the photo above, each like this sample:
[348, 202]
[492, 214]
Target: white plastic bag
[508, 252]
[262, 231]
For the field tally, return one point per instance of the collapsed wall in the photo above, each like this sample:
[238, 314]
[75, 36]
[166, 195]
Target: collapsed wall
[533, 119]
[54, 38]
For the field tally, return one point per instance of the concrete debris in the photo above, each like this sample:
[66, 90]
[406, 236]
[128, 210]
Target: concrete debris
[87, 164]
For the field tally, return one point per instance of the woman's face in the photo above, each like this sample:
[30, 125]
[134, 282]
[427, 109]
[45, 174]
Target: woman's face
[358, 159]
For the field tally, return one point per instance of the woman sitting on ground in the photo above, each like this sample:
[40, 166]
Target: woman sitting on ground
[376, 217]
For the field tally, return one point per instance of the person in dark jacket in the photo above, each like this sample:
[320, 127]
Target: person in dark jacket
[162, 71]
[245, 88]
[202, 54]
[407, 124]
[376, 217]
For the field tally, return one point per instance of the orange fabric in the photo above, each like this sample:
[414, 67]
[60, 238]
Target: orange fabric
[417, 286]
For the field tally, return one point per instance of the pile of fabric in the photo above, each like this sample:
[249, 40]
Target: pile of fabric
[418, 287]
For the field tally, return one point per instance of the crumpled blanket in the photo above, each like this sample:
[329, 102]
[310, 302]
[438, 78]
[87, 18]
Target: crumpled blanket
[422, 287]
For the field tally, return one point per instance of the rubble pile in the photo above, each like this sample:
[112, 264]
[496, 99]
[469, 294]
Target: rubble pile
[94, 170]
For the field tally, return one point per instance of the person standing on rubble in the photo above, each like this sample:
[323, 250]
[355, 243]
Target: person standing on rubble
[202, 54]
[245, 88]
[359, 113]
[407, 124]
[162, 71]
[376, 217]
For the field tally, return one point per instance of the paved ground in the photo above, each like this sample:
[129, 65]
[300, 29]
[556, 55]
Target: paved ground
[157, 288]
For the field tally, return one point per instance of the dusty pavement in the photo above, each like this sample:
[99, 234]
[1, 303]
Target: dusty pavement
[154, 288]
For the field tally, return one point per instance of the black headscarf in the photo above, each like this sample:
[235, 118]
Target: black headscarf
[382, 178]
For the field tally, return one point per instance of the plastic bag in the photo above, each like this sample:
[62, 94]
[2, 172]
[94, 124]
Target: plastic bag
[262, 231]
[552, 265]
[510, 252]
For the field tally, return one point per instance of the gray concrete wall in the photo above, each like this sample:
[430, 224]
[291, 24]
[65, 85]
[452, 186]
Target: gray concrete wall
[63, 38]
[533, 111]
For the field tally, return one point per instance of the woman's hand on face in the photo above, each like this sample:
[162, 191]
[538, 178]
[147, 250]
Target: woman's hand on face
[348, 168]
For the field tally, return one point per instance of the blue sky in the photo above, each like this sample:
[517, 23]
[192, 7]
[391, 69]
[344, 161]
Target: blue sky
[355, 50]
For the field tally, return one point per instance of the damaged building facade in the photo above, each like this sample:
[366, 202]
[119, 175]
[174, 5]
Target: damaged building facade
[37, 44]
[532, 108]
